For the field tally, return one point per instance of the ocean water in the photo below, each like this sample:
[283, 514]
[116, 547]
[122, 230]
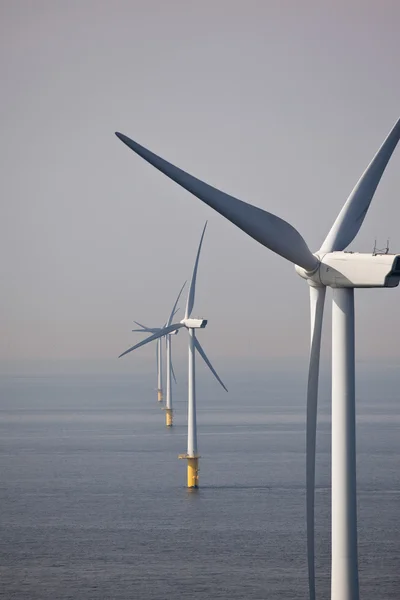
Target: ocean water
[93, 501]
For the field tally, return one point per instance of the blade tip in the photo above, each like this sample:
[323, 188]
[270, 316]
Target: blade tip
[122, 137]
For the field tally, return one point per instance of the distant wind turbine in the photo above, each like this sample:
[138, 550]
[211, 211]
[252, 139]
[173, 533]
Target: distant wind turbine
[169, 367]
[191, 324]
[331, 267]
[144, 329]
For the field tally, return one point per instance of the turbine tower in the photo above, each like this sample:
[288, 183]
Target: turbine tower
[170, 368]
[191, 324]
[331, 267]
[159, 371]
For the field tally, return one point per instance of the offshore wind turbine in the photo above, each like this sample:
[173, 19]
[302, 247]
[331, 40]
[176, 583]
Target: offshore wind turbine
[169, 367]
[159, 355]
[331, 267]
[191, 324]
[144, 329]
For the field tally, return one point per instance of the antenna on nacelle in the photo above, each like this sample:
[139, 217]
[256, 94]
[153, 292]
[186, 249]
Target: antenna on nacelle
[377, 251]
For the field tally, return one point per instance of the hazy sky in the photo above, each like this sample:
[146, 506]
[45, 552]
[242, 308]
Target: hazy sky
[281, 104]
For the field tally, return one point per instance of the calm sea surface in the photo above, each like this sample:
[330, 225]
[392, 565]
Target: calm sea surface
[93, 503]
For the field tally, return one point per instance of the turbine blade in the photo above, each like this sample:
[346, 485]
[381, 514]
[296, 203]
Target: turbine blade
[352, 215]
[173, 311]
[140, 325]
[155, 336]
[317, 298]
[192, 289]
[146, 329]
[157, 361]
[209, 365]
[173, 373]
[268, 229]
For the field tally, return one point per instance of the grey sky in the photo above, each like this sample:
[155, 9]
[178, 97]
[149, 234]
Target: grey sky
[281, 104]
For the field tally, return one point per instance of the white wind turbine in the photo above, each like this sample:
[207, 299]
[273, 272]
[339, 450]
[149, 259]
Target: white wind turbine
[169, 367]
[330, 266]
[144, 329]
[159, 355]
[191, 325]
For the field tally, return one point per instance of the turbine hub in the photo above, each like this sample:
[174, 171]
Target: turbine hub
[312, 277]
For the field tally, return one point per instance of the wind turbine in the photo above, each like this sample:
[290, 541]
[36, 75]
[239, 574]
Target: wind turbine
[331, 267]
[144, 329]
[170, 369]
[191, 324]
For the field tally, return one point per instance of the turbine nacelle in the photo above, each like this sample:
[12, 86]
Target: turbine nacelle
[194, 323]
[354, 270]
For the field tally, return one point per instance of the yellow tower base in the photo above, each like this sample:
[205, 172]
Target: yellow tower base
[168, 417]
[159, 395]
[192, 470]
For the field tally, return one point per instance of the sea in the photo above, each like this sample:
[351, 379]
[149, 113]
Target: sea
[93, 503]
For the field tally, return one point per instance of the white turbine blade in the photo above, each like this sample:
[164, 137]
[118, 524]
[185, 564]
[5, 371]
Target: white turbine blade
[173, 311]
[209, 365]
[146, 329]
[352, 215]
[192, 289]
[173, 372]
[157, 335]
[268, 229]
[317, 298]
